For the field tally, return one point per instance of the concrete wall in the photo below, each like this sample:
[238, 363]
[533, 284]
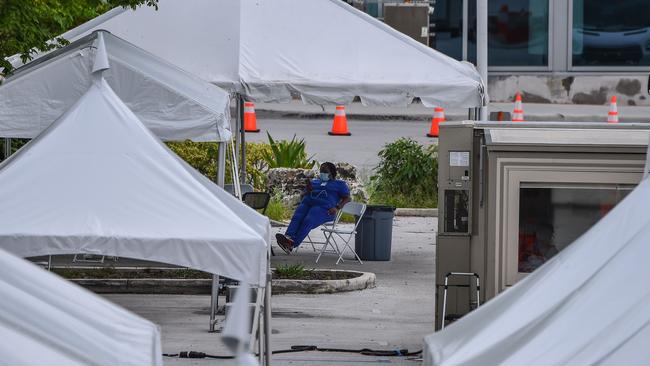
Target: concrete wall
[630, 89]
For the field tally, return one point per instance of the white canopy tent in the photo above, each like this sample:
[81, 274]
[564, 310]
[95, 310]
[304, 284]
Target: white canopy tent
[172, 103]
[45, 320]
[118, 190]
[325, 50]
[588, 305]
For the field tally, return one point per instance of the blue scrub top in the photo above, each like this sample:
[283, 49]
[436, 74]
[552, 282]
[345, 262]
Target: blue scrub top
[327, 194]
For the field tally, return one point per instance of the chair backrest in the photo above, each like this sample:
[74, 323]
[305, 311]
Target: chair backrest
[354, 208]
[245, 188]
[257, 200]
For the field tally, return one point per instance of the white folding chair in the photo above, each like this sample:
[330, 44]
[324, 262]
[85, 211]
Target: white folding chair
[336, 235]
[327, 225]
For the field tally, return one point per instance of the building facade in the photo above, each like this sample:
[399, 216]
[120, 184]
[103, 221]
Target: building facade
[557, 51]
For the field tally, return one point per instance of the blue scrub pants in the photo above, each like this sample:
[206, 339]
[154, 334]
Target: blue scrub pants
[305, 219]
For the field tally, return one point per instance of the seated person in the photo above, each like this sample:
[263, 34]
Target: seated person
[321, 201]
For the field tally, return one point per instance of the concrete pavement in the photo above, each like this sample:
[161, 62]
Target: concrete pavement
[398, 313]
[360, 149]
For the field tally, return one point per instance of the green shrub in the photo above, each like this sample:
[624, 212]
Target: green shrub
[288, 154]
[406, 176]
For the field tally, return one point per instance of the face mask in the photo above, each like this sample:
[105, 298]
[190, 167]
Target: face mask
[324, 177]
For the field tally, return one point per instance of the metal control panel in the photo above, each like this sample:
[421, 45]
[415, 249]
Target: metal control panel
[455, 182]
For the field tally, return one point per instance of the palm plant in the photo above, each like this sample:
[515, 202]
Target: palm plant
[288, 154]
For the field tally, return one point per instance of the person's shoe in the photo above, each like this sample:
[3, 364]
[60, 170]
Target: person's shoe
[284, 243]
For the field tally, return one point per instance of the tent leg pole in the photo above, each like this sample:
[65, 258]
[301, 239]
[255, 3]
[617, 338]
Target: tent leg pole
[7, 151]
[49, 262]
[242, 140]
[239, 121]
[214, 302]
[267, 320]
[482, 49]
[221, 165]
[260, 332]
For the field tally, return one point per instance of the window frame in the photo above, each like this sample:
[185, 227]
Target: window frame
[569, 52]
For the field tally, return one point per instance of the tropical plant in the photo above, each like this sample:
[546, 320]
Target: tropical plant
[288, 154]
[29, 26]
[407, 175]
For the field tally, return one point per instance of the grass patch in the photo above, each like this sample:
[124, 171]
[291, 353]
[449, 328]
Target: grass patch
[405, 201]
[278, 211]
[291, 272]
[298, 272]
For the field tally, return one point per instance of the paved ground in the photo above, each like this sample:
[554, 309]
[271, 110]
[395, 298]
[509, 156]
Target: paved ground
[373, 127]
[360, 149]
[532, 112]
[398, 313]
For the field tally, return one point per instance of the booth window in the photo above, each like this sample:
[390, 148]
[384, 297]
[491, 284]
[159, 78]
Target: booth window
[456, 211]
[609, 33]
[551, 218]
[518, 32]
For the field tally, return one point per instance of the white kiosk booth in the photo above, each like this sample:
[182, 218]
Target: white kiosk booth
[512, 195]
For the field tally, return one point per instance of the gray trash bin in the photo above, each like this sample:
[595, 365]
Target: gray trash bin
[374, 233]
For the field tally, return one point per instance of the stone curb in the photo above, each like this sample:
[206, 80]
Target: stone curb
[203, 286]
[542, 117]
[418, 212]
[147, 286]
[366, 280]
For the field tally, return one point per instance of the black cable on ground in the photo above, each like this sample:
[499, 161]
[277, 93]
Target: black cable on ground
[305, 348]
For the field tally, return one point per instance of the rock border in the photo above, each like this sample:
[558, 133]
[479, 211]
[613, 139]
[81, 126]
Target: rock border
[366, 280]
[203, 286]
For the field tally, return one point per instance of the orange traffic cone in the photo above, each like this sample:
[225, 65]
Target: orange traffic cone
[340, 124]
[438, 117]
[250, 119]
[518, 112]
[612, 115]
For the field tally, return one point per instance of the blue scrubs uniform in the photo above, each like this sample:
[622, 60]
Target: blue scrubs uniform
[312, 211]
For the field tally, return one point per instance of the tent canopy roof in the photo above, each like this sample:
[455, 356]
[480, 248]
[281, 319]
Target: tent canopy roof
[174, 104]
[588, 305]
[46, 320]
[324, 50]
[117, 190]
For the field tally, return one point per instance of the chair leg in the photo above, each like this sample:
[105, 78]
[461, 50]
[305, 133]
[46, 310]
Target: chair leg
[327, 243]
[347, 246]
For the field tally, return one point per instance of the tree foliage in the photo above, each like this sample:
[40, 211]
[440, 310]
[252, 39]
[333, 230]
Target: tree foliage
[27, 26]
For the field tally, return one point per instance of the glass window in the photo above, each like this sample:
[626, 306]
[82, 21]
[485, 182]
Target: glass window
[517, 32]
[552, 218]
[446, 22]
[456, 211]
[609, 33]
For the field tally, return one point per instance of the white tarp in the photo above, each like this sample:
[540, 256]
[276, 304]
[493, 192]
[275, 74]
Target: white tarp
[174, 104]
[325, 50]
[46, 320]
[98, 181]
[588, 305]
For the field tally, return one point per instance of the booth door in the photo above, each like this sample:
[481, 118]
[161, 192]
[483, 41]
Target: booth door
[548, 210]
